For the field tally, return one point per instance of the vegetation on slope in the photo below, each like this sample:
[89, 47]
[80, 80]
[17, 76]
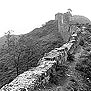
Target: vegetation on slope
[17, 57]
[25, 53]
[75, 73]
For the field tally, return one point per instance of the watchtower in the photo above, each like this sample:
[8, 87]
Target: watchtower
[63, 24]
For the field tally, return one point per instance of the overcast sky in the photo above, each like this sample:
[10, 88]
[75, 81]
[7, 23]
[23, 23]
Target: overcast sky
[23, 16]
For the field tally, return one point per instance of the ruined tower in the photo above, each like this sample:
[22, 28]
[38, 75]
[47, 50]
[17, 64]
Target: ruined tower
[63, 24]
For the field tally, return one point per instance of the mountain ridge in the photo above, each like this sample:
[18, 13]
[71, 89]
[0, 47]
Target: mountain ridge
[39, 41]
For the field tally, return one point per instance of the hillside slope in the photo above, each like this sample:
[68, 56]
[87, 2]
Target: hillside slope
[39, 41]
[70, 73]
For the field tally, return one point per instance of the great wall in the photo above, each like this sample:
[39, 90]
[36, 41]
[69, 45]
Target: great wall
[41, 74]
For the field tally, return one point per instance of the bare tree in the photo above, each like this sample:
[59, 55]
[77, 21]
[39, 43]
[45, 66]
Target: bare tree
[14, 49]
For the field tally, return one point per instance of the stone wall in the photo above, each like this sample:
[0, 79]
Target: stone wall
[63, 24]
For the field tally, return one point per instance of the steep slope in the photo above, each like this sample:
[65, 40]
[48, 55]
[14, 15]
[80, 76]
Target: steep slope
[29, 78]
[39, 41]
[70, 73]
[43, 40]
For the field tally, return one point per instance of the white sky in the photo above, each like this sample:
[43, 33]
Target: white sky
[23, 16]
